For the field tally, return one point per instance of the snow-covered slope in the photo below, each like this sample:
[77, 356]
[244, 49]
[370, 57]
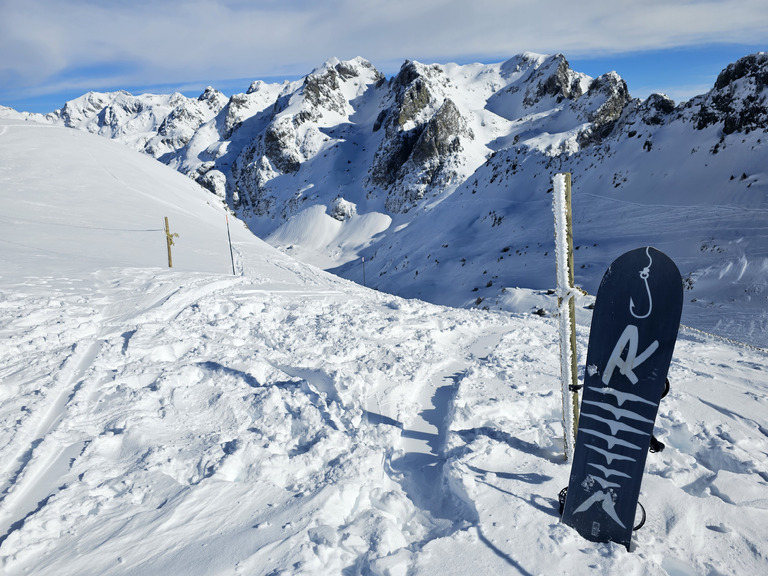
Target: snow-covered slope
[284, 421]
[439, 176]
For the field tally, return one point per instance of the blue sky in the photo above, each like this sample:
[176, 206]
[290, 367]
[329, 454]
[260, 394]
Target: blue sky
[52, 51]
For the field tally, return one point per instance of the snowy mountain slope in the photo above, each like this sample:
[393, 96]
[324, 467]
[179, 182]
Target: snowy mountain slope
[132, 198]
[660, 176]
[439, 175]
[496, 232]
[282, 420]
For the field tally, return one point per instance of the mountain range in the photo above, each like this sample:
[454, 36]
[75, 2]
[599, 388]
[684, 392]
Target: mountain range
[436, 183]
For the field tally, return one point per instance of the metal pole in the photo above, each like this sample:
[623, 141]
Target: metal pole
[229, 238]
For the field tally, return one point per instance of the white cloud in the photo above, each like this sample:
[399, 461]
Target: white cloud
[46, 43]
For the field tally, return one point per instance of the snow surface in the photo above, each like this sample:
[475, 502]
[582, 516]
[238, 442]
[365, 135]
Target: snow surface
[284, 421]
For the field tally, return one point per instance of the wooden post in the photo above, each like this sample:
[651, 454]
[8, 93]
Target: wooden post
[565, 292]
[572, 305]
[169, 241]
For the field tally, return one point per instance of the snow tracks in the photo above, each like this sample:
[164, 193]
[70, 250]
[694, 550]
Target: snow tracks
[166, 423]
[234, 423]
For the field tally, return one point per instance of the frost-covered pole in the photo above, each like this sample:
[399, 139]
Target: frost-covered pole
[561, 206]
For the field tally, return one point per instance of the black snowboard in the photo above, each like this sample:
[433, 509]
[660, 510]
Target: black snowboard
[634, 328]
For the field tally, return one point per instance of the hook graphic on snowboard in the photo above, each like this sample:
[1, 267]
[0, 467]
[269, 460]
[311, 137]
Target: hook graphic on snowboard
[644, 274]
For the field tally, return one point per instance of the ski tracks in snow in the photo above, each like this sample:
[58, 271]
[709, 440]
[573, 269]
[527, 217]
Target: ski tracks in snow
[43, 465]
[36, 457]
[39, 456]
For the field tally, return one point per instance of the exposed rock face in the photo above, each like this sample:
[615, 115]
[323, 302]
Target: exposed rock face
[753, 68]
[215, 181]
[440, 136]
[342, 209]
[321, 91]
[281, 146]
[738, 100]
[554, 79]
[411, 96]
[428, 164]
[656, 109]
[615, 95]
[236, 112]
[423, 132]
[607, 99]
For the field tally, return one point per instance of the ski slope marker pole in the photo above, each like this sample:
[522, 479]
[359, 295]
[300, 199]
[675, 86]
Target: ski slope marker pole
[169, 241]
[229, 238]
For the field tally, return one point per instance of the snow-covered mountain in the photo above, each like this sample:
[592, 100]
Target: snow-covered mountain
[281, 420]
[440, 175]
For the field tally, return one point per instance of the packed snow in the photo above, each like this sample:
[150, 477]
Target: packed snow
[281, 420]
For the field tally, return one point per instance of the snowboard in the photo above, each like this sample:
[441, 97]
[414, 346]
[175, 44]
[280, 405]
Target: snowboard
[634, 328]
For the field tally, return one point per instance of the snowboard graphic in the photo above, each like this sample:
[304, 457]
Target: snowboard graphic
[633, 333]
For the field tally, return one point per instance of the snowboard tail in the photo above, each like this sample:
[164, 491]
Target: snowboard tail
[632, 338]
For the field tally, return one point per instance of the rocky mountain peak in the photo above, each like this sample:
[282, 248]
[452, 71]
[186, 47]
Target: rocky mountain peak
[332, 86]
[423, 130]
[602, 105]
[554, 78]
[293, 135]
[738, 99]
[753, 68]
[322, 91]
[408, 73]
[413, 93]
[213, 98]
[656, 109]
[88, 106]
[430, 160]
[521, 64]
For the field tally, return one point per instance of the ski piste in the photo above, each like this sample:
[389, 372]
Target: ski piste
[632, 338]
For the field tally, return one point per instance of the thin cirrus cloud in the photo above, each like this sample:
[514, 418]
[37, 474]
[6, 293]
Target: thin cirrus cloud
[56, 46]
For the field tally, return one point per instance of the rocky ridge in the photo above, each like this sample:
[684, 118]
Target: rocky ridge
[417, 127]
